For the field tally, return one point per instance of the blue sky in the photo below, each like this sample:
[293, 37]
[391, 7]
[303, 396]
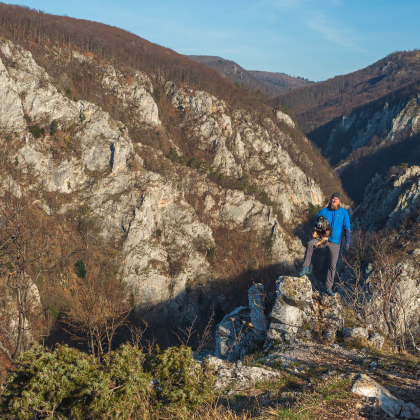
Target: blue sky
[315, 39]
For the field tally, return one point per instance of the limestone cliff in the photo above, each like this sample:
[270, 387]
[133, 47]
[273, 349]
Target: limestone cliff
[389, 201]
[165, 219]
[389, 121]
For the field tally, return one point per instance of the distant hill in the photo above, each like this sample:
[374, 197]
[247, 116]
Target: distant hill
[282, 80]
[270, 84]
[364, 122]
[317, 104]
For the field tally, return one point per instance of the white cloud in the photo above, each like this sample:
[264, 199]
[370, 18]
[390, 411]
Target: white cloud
[330, 30]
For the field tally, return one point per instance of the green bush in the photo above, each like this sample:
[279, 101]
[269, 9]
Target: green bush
[53, 127]
[210, 253]
[68, 384]
[64, 383]
[156, 95]
[183, 382]
[80, 269]
[36, 131]
[131, 387]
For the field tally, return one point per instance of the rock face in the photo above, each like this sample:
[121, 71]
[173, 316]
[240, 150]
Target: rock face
[388, 204]
[298, 309]
[165, 216]
[388, 201]
[241, 147]
[360, 126]
[367, 387]
[406, 298]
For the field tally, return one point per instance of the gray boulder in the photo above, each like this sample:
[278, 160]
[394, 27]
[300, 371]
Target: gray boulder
[376, 340]
[292, 307]
[300, 311]
[256, 303]
[367, 387]
[357, 332]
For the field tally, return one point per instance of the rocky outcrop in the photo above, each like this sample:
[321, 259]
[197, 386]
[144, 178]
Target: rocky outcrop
[390, 122]
[388, 201]
[281, 116]
[239, 377]
[240, 147]
[292, 308]
[235, 335]
[375, 339]
[165, 219]
[298, 310]
[393, 407]
[405, 302]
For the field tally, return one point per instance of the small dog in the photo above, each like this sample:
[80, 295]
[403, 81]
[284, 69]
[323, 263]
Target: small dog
[322, 231]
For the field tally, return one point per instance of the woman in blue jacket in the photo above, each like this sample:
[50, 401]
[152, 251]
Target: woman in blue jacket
[339, 220]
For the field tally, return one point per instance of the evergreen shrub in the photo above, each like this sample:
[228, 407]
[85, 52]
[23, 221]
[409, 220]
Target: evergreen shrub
[36, 131]
[66, 383]
[183, 382]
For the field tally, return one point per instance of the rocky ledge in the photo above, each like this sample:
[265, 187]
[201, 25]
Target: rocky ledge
[288, 347]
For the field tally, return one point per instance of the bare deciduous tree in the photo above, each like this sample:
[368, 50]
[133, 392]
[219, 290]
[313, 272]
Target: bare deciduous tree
[26, 242]
[374, 288]
[96, 307]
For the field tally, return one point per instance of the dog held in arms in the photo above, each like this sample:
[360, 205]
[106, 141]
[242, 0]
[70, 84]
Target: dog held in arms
[322, 231]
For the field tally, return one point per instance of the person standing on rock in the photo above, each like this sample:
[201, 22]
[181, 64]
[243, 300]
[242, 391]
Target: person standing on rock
[339, 219]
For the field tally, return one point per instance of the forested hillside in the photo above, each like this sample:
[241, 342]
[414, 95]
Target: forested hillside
[281, 80]
[317, 104]
[363, 122]
[270, 84]
[174, 181]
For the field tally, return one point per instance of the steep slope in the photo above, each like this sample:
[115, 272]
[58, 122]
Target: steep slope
[167, 215]
[270, 84]
[197, 193]
[282, 80]
[318, 104]
[392, 118]
[364, 122]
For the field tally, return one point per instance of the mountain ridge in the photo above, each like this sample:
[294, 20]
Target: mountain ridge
[268, 83]
[195, 192]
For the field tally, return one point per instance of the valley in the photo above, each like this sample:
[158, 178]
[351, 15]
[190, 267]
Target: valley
[154, 214]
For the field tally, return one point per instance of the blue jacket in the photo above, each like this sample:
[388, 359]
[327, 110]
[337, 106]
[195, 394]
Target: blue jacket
[338, 219]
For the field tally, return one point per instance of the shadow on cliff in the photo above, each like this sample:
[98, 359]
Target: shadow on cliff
[221, 295]
[198, 301]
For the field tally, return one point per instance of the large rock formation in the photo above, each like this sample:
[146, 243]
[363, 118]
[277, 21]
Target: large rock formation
[298, 311]
[361, 125]
[389, 200]
[165, 216]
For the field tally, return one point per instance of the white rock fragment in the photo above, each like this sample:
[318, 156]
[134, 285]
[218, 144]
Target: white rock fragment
[367, 387]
